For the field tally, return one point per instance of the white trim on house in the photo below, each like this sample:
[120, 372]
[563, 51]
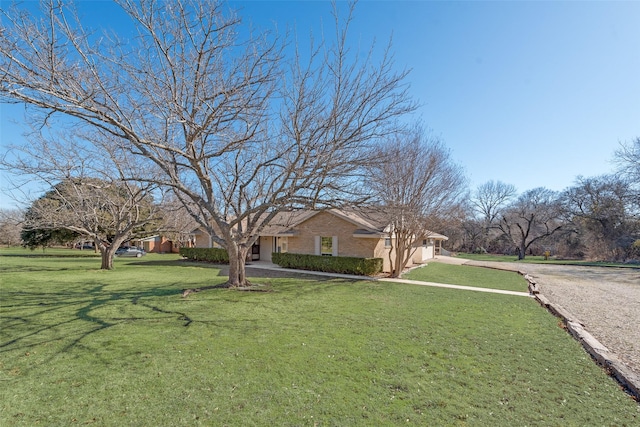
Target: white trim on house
[363, 234]
[316, 245]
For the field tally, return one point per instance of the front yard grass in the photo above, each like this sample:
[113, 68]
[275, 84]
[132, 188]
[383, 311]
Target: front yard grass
[123, 348]
[465, 275]
[531, 259]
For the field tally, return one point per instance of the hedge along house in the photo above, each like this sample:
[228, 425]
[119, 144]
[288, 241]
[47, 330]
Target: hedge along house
[331, 233]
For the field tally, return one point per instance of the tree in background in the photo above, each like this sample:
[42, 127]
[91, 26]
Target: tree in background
[628, 159]
[10, 226]
[177, 223]
[34, 238]
[108, 213]
[236, 129]
[488, 203]
[601, 210]
[463, 232]
[88, 195]
[533, 217]
[417, 185]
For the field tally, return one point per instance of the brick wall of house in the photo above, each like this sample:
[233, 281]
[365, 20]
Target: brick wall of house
[165, 245]
[381, 251]
[158, 245]
[202, 240]
[325, 224]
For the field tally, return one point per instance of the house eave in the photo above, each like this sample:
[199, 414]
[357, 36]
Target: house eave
[286, 234]
[368, 234]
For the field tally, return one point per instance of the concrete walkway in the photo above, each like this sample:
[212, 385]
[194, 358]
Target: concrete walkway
[459, 287]
[264, 265]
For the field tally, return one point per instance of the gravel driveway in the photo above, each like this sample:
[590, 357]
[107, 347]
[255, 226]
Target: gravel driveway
[605, 300]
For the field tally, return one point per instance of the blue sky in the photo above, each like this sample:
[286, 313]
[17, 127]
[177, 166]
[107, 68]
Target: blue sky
[528, 93]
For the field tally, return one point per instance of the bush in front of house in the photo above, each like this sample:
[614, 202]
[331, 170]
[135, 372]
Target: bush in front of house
[215, 255]
[329, 264]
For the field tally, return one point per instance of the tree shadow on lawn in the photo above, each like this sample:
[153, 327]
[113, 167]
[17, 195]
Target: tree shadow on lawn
[252, 272]
[29, 319]
[32, 319]
[59, 264]
[77, 255]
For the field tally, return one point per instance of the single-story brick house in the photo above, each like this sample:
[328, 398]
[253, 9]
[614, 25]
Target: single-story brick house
[332, 233]
[158, 244]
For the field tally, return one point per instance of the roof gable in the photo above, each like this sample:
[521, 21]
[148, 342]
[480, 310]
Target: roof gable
[284, 223]
[369, 222]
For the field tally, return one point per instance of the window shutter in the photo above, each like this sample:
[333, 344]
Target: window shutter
[334, 245]
[316, 245]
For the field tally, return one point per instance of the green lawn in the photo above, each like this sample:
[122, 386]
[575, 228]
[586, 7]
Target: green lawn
[49, 252]
[80, 346]
[540, 260]
[465, 275]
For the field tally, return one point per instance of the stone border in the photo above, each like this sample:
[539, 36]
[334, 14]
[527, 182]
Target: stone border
[601, 354]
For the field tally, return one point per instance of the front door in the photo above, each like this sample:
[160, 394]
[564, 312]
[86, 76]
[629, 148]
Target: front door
[255, 251]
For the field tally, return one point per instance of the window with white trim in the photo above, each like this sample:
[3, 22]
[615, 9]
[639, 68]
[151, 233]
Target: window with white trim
[280, 244]
[326, 246]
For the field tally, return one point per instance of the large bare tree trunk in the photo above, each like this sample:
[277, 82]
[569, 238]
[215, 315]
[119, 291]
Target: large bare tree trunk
[237, 265]
[107, 259]
[109, 251]
[522, 248]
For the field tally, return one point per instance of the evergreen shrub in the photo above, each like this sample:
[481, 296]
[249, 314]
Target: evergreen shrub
[329, 264]
[215, 255]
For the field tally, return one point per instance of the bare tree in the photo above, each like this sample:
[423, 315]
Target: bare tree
[89, 195]
[602, 210]
[10, 226]
[490, 197]
[533, 217]
[488, 201]
[628, 159]
[418, 185]
[106, 212]
[177, 224]
[473, 236]
[238, 132]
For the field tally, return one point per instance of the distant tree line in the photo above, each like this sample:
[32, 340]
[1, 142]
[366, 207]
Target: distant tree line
[598, 218]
